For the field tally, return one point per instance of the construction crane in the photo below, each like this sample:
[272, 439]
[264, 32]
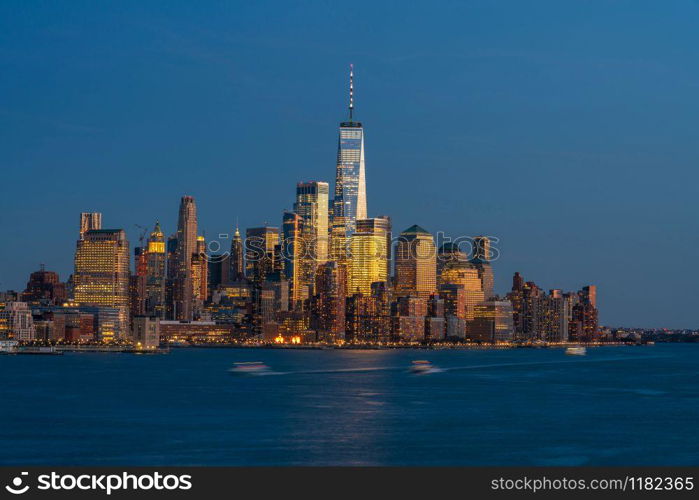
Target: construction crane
[143, 234]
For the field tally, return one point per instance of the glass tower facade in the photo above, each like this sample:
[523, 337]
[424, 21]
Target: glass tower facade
[350, 182]
[349, 203]
[312, 205]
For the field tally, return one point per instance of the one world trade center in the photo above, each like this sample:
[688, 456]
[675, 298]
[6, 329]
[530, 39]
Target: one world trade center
[349, 203]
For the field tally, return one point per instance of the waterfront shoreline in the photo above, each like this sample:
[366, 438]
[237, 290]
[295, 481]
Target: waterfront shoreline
[130, 349]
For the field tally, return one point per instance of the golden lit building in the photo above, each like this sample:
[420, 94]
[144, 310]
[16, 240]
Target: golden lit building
[368, 258]
[101, 276]
[338, 242]
[464, 275]
[312, 206]
[293, 251]
[200, 278]
[416, 263]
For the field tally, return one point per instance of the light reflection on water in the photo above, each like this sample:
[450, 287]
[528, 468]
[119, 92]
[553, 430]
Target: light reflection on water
[617, 405]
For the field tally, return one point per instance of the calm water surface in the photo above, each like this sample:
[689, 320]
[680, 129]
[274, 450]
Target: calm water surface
[617, 405]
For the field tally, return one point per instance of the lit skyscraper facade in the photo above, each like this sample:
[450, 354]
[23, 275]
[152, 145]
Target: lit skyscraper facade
[293, 249]
[237, 262]
[200, 277]
[349, 203]
[368, 263]
[101, 276]
[329, 301]
[155, 273]
[312, 206]
[464, 275]
[186, 247]
[416, 263]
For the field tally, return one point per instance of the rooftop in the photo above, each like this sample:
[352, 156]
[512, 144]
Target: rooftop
[415, 229]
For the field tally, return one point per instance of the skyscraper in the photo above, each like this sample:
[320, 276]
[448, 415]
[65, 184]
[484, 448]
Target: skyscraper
[416, 263]
[368, 263]
[155, 273]
[137, 283]
[449, 251]
[329, 302]
[186, 247]
[312, 206]
[237, 267]
[89, 221]
[556, 317]
[481, 261]
[200, 278]
[261, 245]
[463, 274]
[349, 203]
[589, 295]
[293, 250]
[585, 316]
[101, 276]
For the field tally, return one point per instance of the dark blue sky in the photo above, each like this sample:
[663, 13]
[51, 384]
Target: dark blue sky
[567, 129]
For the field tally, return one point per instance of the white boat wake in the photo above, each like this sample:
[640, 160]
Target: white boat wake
[441, 369]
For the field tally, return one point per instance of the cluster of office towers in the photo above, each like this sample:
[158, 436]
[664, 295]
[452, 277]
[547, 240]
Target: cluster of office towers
[329, 273]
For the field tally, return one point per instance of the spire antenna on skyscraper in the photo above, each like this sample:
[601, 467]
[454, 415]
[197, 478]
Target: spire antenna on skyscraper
[349, 203]
[351, 101]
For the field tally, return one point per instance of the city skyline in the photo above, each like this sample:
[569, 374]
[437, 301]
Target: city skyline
[328, 274]
[550, 182]
[333, 226]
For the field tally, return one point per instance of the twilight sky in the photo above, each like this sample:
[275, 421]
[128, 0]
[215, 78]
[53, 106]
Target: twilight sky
[567, 129]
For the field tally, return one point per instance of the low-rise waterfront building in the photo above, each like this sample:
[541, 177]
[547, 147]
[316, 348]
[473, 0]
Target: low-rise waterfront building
[195, 331]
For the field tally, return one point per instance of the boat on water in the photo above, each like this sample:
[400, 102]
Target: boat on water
[421, 366]
[250, 368]
[576, 351]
